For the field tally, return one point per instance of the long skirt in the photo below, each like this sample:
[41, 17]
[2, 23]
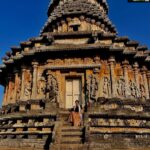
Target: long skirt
[75, 118]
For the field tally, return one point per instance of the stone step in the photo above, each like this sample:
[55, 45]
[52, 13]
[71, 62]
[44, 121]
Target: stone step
[69, 147]
[71, 129]
[73, 147]
[64, 112]
[67, 124]
[72, 134]
[71, 140]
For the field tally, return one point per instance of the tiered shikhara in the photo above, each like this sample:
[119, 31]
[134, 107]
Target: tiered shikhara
[77, 41]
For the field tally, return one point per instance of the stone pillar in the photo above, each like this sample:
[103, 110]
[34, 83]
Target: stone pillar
[22, 83]
[144, 70]
[9, 90]
[125, 73]
[5, 95]
[16, 83]
[112, 76]
[34, 81]
[148, 80]
[136, 75]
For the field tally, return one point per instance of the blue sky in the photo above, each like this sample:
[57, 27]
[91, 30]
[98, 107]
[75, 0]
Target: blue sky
[23, 19]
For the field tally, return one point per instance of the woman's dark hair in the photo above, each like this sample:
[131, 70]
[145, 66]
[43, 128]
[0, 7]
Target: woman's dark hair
[77, 101]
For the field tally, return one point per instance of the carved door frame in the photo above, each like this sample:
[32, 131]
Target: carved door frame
[71, 75]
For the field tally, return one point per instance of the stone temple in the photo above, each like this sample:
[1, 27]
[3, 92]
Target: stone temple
[78, 55]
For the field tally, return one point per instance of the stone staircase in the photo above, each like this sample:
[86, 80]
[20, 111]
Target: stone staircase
[72, 138]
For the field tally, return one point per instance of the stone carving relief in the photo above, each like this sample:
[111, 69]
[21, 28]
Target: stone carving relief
[27, 90]
[59, 62]
[118, 122]
[121, 87]
[52, 88]
[68, 61]
[134, 91]
[11, 90]
[74, 24]
[18, 90]
[41, 87]
[27, 85]
[92, 87]
[73, 61]
[142, 91]
[88, 61]
[106, 87]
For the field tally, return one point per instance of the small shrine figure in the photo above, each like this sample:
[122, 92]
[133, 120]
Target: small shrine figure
[121, 87]
[93, 88]
[135, 92]
[27, 90]
[41, 87]
[142, 90]
[106, 87]
[52, 88]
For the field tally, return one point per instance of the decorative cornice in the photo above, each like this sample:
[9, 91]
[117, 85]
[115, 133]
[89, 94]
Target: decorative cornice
[88, 66]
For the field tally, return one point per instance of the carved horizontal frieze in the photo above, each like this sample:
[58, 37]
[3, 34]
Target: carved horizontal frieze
[89, 66]
[66, 47]
[119, 122]
[119, 130]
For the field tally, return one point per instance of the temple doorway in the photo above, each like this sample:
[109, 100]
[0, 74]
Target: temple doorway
[73, 91]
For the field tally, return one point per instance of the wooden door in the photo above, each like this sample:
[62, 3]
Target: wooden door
[73, 92]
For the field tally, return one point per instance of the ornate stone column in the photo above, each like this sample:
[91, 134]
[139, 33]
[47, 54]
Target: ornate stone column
[9, 87]
[16, 80]
[148, 80]
[22, 83]
[34, 81]
[5, 95]
[136, 75]
[125, 73]
[144, 70]
[112, 76]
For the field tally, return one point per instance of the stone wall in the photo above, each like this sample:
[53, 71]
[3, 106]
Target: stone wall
[100, 78]
[117, 124]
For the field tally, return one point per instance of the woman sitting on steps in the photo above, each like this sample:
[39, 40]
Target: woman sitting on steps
[76, 114]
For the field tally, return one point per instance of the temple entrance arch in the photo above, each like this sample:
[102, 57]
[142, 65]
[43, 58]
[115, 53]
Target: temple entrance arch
[73, 91]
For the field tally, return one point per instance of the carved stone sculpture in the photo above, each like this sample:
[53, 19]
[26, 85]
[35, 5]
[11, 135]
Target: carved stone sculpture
[52, 88]
[142, 91]
[92, 87]
[27, 90]
[106, 87]
[41, 87]
[121, 87]
[134, 91]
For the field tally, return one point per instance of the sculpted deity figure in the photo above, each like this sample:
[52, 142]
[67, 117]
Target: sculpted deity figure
[52, 88]
[106, 87]
[135, 93]
[132, 88]
[92, 87]
[142, 90]
[27, 90]
[121, 87]
[41, 90]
